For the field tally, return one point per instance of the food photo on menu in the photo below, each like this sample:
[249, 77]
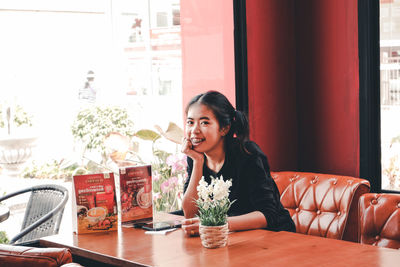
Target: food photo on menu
[136, 194]
[94, 204]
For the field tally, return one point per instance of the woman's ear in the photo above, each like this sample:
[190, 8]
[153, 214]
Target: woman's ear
[225, 130]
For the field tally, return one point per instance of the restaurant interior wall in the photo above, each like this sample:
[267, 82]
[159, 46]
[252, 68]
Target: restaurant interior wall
[272, 80]
[207, 48]
[303, 84]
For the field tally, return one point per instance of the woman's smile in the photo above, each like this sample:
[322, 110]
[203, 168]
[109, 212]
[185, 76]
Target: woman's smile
[197, 141]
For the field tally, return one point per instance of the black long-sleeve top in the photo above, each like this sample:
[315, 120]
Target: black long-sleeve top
[252, 185]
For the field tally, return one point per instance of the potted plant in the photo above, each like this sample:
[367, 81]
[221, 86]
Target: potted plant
[213, 204]
[16, 142]
[92, 126]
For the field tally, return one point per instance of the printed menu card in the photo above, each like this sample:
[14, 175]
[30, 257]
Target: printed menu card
[93, 203]
[136, 193]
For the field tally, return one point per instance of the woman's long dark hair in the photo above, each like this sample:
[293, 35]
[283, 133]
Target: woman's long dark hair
[226, 116]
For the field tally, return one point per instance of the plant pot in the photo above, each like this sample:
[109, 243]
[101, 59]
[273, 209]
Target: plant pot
[214, 236]
[14, 153]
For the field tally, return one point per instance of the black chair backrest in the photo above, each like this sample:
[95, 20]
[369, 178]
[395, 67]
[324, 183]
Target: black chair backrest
[43, 212]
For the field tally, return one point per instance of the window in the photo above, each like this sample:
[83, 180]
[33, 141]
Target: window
[379, 48]
[390, 93]
[60, 57]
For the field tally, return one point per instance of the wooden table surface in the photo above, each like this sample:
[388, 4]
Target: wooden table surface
[132, 247]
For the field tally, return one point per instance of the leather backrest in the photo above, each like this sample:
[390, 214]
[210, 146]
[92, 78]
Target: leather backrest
[27, 256]
[322, 204]
[380, 220]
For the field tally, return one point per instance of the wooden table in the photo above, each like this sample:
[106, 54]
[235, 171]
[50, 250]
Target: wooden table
[132, 247]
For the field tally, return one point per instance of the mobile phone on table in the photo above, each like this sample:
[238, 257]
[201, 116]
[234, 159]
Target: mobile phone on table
[139, 224]
[159, 226]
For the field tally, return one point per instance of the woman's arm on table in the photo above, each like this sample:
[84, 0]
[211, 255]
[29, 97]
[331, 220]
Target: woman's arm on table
[249, 221]
[252, 220]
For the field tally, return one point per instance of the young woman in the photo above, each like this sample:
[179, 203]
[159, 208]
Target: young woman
[216, 143]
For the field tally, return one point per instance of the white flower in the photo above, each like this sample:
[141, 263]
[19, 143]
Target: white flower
[202, 190]
[213, 201]
[206, 205]
[221, 189]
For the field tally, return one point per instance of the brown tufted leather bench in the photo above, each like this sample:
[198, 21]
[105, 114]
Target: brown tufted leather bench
[380, 220]
[27, 256]
[322, 204]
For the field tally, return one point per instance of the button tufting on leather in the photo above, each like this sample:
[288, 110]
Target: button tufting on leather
[314, 190]
[398, 205]
[339, 213]
[377, 237]
[374, 201]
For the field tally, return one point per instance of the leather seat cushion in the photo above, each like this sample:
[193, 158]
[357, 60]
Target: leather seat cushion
[380, 220]
[321, 204]
[27, 256]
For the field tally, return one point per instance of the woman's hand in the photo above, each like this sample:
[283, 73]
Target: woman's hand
[187, 148]
[191, 227]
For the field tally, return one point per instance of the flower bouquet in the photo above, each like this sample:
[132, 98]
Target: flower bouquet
[213, 204]
[169, 173]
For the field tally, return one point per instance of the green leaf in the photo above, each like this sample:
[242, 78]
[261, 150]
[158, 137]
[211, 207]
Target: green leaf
[3, 237]
[147, 135]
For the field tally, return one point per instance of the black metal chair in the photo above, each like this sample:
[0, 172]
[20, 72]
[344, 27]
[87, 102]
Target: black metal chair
[43, 212]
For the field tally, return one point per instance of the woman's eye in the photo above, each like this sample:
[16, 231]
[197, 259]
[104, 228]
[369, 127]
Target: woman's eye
[204, 122]
[189, 123]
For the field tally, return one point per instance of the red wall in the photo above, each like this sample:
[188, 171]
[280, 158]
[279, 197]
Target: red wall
[271, 77]
[303, 83]
[328, 86]
[208, 61]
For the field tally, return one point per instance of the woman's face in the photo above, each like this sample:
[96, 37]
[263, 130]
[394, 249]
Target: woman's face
[203, 130]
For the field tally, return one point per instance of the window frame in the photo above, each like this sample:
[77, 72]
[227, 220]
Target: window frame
[240, 48]
[369, 94]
